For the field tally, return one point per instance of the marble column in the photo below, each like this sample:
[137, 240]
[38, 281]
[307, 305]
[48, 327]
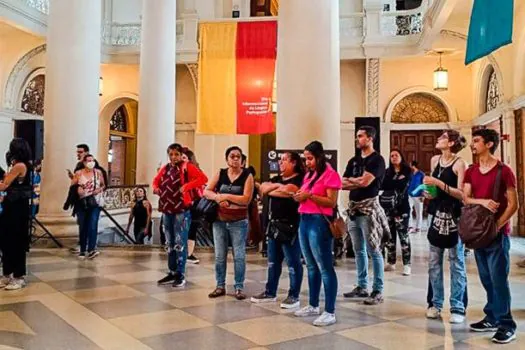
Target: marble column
[308, 78]
[156, 119]
[71, 99]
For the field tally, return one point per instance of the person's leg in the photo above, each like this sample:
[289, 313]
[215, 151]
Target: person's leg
[169, 231]
[482, 262]
[378, 262]
[192, 235]
[361, 257]
[94, 215]
[220, 243]
[161, 231]
[292, 252]
[275, 262]
[419, 213]
[458, 278]
[404, 240]
[182, 226]
[238, 232]
[82, 217]
[7, 252]
[435, 273]
[392, 243]
[314, 275]
[19, 252]
[430, 294]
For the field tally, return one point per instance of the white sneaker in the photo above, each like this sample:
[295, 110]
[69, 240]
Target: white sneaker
[456, 318]
[407, 270]
[4, 281]
[433, 313]
[16, 284]
[389, 267]
[308, 311]
[326, 319]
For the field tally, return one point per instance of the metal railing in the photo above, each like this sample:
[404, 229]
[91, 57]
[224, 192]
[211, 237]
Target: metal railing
[402, 23]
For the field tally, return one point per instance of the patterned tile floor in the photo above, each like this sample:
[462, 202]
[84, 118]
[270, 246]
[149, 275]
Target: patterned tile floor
[114, 303]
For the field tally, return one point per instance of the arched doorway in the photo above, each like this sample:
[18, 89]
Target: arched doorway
[122, 145]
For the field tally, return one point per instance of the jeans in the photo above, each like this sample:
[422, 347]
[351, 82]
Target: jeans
[316, 244]
[399, 228]
[277, 252]
[88, 228]
[236, 232]
[359, 231]
[458, 276]
[493, 266]
[416, 203]
[176, 227]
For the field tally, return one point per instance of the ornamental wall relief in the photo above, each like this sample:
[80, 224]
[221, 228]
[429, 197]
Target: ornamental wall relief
[419, 108]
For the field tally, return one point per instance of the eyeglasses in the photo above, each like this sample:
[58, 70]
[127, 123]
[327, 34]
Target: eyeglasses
[234, 156]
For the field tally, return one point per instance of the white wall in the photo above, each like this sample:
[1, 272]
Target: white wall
[127, 11]
[6, 134]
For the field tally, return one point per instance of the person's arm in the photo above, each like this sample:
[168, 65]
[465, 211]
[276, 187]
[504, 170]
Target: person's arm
[459, 169]
[156, 180]
[16, 171]
[101, 185]
[267, 187]
[468, 199]
[243, 199]
[348, 185]
[284, 191]
[512, 207]
[149, 211]
[209, 192]
[330, 201]
[130, 220]
[197, 178]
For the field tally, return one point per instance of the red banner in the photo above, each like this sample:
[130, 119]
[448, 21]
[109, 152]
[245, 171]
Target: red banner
[256, 55]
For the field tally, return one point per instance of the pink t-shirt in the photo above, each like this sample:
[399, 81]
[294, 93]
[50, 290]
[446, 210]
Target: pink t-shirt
[329, 180]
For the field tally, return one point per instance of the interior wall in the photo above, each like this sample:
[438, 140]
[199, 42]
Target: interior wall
[127, 11]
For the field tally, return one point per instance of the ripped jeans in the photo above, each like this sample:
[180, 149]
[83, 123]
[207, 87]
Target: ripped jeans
[277, 252]
[176, 228]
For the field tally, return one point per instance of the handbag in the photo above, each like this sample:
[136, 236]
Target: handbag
[337, 224]
[478, 225]
[207, 209]
[280, 230]
[388, 199]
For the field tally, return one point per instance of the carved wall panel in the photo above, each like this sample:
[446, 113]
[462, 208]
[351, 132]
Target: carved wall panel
[420, 108]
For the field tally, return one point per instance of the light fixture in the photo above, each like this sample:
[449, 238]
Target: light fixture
[440, 77]
[100, 86]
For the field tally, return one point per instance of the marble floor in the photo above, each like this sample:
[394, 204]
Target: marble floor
[113, 302]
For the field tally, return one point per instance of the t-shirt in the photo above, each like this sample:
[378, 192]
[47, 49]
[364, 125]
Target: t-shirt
[330, 179]
[417, 179]
[483, 186]
[285, 208]
[398, 182]
[375, 165]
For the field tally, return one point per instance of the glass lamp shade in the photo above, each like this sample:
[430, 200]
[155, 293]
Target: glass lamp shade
[441, 79]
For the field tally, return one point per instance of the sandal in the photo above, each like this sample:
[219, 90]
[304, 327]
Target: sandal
[239, 295]
[218, 292]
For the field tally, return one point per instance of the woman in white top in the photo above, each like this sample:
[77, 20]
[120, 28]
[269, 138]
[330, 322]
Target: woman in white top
[91, 186]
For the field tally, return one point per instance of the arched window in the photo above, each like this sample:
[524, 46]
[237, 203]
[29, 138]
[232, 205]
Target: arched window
[493, 94]
[119, 120]
[33, 98]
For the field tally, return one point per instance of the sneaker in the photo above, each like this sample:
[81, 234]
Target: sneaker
[74, 250]
[239, 295]
[92, 255]
[192, 259]
[390, 267]
[82, 256]
[170, 278]
[357, 293]
[179, 281]
[290, 303]
[308, 311]
[16, 284]
[504, 336]
[263, 298]
[433, 313]
[483, 326]
[326, 319]
[456, 318]
[407, 270]
[4, 281]
[375, 298]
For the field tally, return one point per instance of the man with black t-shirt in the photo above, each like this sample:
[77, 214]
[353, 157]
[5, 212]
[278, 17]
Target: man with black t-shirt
[368, 223]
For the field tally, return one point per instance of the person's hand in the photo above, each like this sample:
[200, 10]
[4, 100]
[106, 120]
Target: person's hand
[183, 189]
[427, 196]
[156, 191]
[97, 191]
[301, 196]
[490, 205]
[224, 204]
[429, 180]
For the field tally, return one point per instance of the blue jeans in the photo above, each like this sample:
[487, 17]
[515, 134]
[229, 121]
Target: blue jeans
[176, 227]
[359, 231]
[277, 252]
[87, 220]
[236, 232]
[316, 244]
[493, 266]
[458, 277]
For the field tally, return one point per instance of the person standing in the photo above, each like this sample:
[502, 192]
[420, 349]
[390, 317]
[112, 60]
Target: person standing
[283, 240]
[141, 213]
[15, 218]
[368, 225]
[232, 189]
[394, 200]
[318, 200]
[493, 261]
[448, 172]
[416, 203]
[174, 184]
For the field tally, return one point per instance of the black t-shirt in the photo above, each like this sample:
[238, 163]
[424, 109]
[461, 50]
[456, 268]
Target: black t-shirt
[398, 182]
[285, 208]
[375, 165]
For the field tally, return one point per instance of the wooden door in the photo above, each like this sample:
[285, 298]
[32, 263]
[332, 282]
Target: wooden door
[416, 145]
[261, 8]
[520, 133]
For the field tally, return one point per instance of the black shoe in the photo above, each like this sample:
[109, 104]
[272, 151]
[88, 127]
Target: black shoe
[179, 281]
[504, 336]
[358, 292]
[192, 259]
[167, 280]
[375, 298]
[483, 326]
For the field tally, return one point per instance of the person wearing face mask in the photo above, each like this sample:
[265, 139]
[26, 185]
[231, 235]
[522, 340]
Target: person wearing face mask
[174, 184]
[91, 185]
[141, 213]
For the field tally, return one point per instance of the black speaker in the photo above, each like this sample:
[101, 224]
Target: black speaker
[374, 122]
[33, 132]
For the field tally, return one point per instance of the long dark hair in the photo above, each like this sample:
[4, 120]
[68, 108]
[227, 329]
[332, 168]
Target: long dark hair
[404, 167]
[299, 165]
[317, 150]
[143, 189]
[20, 151]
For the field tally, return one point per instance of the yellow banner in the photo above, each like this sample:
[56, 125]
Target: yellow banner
[216, 98]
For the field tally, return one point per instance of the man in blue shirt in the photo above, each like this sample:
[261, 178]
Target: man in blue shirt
[416, 203]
